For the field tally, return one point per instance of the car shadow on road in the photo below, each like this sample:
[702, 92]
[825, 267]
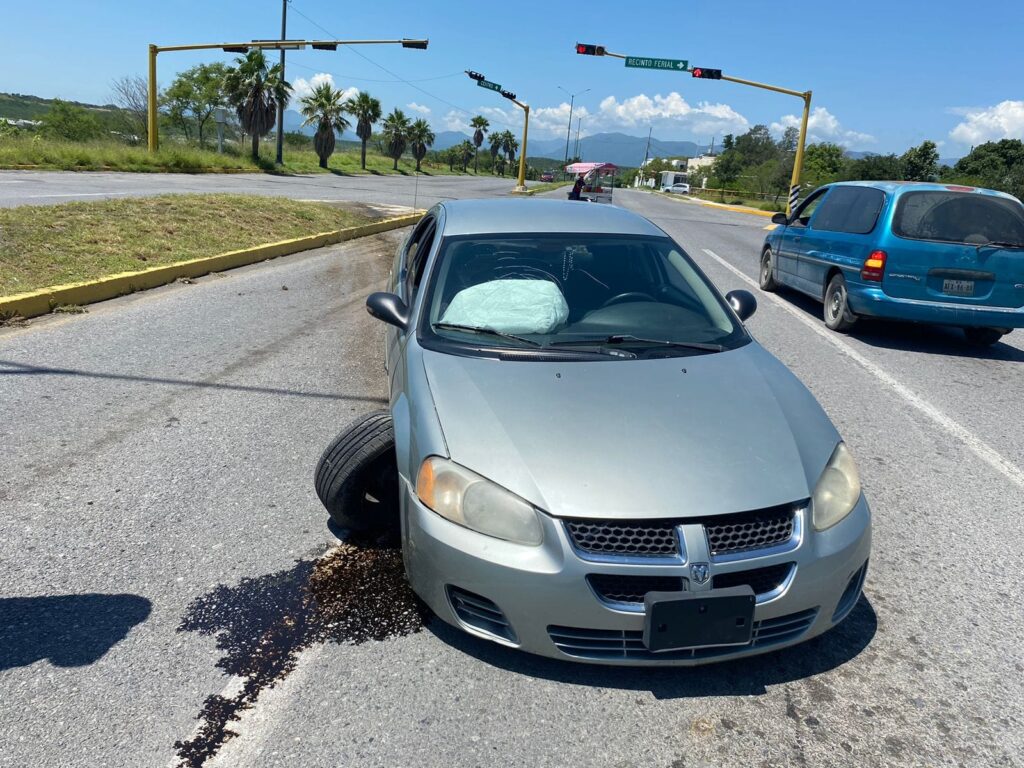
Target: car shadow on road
[69, 630]
[910, 337]
[11, 368]
[744, 677]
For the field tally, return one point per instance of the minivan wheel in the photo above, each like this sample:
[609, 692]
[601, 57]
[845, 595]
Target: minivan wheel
[982, 337]
[357, 476]
[767, 281]
[838, 315]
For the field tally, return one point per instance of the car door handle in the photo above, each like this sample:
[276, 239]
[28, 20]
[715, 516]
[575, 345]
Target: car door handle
[798, 238]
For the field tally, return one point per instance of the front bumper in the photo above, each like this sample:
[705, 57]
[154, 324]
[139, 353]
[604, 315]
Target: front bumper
[874, 302]
[550, 609]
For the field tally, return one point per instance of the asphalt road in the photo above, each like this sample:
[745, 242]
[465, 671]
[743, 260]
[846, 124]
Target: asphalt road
[50, 187]
[156, 486]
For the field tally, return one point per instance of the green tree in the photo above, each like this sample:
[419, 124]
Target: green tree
[325, 108]
[756, 146]
[994, 164]
[366, 110]
[465, 152]
[823, 163]
[256, 91]
[509, 145]
[395, 134]
[194, 95]
[875, 168]
[921, 163]
[495, 149]
[480, 126]
[69, 121]
[420, 140]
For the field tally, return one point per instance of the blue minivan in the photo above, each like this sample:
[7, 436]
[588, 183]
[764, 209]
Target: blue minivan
[931, 253]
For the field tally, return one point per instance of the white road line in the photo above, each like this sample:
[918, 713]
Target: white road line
[983, 450]
[233, 688]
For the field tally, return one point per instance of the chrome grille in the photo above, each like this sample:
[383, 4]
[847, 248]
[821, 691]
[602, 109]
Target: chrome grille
[761, 580]
[633, 538]
[746, 531]
[628, 644]
[615, 588]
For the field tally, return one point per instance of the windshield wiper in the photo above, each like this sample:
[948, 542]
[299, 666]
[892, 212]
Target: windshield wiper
[625, 338]
[1000, 244]
[485, 331]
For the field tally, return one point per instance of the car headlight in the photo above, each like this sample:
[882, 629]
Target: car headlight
[472, 501]
[837, 491]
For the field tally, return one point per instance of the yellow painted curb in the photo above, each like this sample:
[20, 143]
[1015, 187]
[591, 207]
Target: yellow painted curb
[40, 302]
[736, 208]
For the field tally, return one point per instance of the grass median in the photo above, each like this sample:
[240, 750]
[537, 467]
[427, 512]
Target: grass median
[41, 246]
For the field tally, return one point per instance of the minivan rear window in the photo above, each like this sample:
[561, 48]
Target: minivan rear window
[849, 209]
[959, 217]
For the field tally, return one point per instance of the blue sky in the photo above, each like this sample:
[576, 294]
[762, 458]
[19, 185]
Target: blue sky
[885, 75]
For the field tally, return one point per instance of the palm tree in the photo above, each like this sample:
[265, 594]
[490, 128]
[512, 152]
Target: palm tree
[510, 145]
[395, 134]
[366, 110]
[325, 108]
[465, 151]
[496, 139]
[256, 91]
[420, 138]
[481, 125]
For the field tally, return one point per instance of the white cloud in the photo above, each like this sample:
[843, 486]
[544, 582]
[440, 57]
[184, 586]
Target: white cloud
[822, 125]
[423, 110]
[301, 87]
[456, 121]
[1005, 120]
[669, 113]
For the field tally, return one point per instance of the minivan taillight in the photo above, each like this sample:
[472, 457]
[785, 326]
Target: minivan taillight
[873, 267]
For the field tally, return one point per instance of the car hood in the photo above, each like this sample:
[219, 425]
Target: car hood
[677, 437]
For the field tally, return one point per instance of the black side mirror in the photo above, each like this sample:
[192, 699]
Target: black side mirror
[389, 308]
[743, 303]
[780, 218]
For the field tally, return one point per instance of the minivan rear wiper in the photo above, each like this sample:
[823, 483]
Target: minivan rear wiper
[485, 331]
[625, 338]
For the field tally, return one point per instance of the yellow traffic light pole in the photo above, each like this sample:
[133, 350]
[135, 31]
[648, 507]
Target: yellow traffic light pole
[521, 183]
[798, 161]
[154, 126]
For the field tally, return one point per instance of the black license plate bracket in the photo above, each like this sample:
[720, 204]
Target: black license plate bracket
[682, 620]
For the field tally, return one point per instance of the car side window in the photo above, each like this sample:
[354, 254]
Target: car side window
[853, 210]
[803, 214]
[416, 258]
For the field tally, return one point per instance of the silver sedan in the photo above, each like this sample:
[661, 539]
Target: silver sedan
[595, 460]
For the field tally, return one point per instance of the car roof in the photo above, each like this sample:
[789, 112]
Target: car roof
[475, 217]
[901, 187]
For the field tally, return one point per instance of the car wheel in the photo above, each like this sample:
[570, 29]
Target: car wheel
[357, 476]
[767, 281]
[982, 337]
[838, 315]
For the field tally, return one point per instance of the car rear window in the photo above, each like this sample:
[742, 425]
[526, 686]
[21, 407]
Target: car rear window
[959, 217]
[849, 209]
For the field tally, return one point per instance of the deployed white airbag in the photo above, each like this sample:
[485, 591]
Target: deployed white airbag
[512, 306]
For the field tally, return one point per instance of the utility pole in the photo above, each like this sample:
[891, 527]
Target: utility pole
[646, 152]
[280, 107]
[576, 146]
[568, 128]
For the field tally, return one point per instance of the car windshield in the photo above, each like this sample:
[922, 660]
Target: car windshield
[584, 291]
[959, 217]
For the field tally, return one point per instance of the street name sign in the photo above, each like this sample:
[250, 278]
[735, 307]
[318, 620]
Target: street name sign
[489, 85]
[641, 62]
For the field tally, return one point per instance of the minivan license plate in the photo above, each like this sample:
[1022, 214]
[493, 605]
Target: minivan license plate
[958, 287]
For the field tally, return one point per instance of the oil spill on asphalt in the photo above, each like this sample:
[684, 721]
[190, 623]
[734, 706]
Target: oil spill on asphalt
[354, 593]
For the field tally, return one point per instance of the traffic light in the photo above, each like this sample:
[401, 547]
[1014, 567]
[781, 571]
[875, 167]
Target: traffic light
[325, 46]
[586, 49]
[474, 75]
[236, 49]
[707, 74]
[418, 44]
[508, 95]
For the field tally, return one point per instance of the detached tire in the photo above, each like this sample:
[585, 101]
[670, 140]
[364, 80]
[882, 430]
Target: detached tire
[838, 315]
[357, 476]
[982, 337]
[767, 275]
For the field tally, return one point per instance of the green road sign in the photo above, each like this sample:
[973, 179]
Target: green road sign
[488, 85]
[639, 62]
